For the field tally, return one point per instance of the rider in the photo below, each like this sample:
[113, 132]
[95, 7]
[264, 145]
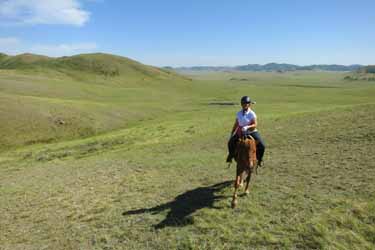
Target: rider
[245, 124]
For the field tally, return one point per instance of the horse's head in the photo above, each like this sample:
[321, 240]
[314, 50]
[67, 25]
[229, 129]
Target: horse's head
[246, 152]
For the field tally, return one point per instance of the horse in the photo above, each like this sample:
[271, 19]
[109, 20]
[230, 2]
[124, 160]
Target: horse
[246, 164]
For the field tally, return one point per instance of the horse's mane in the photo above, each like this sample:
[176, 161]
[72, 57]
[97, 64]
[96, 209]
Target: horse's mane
[246, 152]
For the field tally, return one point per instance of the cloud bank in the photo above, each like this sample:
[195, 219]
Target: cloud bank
[32, 12]
[63, 49]
[9, 45]
[13, 46]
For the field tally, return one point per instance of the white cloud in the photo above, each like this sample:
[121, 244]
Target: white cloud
[16, 12]
[9, 45]
[63, 49]
[13, 46]
[9, 41]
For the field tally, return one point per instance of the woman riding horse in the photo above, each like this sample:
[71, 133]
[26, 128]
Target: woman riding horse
[246, 124]
[246, 145]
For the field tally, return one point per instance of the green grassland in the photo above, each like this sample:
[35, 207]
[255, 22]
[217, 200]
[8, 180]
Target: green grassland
[111, 163]
[46, 100]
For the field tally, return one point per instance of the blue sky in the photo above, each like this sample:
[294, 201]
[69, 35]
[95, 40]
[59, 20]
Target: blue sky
[186, 33]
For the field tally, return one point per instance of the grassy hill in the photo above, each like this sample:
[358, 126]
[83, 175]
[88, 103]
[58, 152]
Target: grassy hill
[140, 164]
[368, 69]
[86, 66]
[363, 74]
[48, 99]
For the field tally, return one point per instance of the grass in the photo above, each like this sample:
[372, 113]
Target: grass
[160, 182]
[43, 104]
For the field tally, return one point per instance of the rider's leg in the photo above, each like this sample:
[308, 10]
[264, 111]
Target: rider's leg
[232, 147]
[261, 147]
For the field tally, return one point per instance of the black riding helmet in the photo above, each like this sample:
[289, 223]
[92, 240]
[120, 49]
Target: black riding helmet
[246, 99]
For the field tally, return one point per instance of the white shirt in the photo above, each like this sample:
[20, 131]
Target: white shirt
[246, 119]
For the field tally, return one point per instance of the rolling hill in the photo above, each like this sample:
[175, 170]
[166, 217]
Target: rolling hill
[368, 69]
[363, 74]
[44, 99]
[90, 160]
[140, 165]
[86, 66]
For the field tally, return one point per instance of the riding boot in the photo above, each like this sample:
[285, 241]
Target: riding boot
[232, 148]
[229, 158]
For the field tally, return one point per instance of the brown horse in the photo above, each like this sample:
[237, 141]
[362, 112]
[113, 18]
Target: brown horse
[246, 165]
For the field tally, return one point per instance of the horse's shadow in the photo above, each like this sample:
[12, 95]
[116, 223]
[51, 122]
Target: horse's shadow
[184, 205]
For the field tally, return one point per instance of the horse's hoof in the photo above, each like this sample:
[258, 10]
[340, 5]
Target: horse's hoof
[234, 203]
[247, 192]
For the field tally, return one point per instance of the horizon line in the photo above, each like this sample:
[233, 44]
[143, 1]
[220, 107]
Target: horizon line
[191, 66]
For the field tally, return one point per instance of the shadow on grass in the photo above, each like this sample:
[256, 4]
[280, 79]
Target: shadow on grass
[184, 205]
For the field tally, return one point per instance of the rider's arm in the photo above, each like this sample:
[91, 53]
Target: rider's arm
[235, 125]
[253, 124]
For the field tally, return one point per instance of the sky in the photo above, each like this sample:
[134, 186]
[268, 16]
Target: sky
[195, 32]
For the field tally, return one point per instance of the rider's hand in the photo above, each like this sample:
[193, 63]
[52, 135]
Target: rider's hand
[245, 128]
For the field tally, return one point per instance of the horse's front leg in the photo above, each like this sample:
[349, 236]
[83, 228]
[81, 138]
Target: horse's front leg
[247, 189]
[236, 185]
[241, 181]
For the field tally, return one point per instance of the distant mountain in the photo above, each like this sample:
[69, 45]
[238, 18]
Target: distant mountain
[267, 67]
[278, 67]
[332, 67]
[202, 68]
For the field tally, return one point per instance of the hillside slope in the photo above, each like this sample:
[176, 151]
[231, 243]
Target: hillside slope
[45, 99]
[167, 187]
[368, 69]
[363, 74]
[86, 66]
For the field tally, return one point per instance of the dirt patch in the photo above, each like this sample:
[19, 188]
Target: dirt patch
[223, 103]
